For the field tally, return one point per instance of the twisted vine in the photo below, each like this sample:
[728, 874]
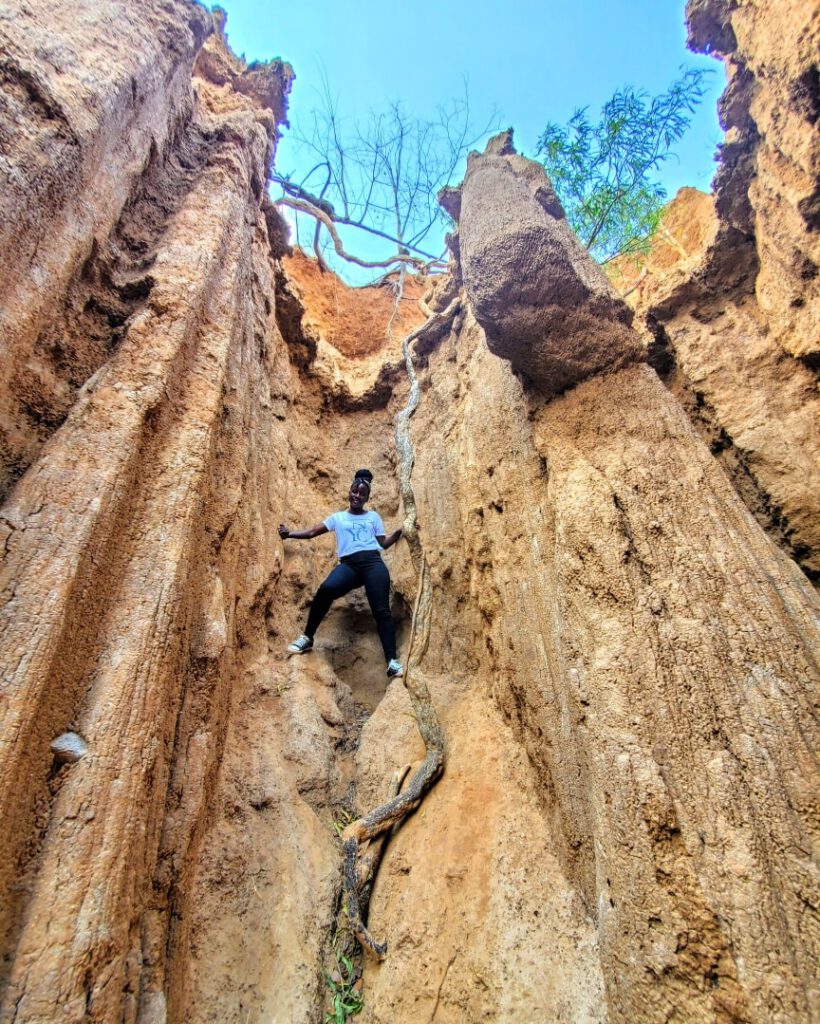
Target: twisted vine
[359, 863]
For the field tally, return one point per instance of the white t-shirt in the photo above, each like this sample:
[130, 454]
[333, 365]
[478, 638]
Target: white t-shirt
[355, 533]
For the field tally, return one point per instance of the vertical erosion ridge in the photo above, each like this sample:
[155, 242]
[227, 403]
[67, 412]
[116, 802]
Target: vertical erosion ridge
[131, 552]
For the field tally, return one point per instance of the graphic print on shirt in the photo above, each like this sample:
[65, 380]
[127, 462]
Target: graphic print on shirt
[360, 533]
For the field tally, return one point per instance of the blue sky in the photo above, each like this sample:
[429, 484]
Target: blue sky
[532, 61]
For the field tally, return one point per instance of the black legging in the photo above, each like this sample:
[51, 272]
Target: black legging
[364, 568]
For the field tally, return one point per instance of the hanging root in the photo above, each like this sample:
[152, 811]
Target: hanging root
[376, 824]
[371, 853]
[360, 866]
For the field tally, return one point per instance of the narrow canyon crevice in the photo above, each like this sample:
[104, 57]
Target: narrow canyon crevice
[618, 504]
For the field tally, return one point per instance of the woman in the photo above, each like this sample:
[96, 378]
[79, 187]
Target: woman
[359, 540]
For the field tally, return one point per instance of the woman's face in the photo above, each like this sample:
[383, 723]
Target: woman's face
[358, 495]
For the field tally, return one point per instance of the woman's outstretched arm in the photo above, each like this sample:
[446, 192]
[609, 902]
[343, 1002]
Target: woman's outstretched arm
[309, 534]
[389, 541]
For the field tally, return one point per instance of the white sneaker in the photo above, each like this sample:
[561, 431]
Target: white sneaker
[395, 668]
[301, 645]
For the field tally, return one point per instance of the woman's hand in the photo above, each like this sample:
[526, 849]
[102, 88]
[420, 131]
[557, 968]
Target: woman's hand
[410, 529]
[393, 538]
[314, 531]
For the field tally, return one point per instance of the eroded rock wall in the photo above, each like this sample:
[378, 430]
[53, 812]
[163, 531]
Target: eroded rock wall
[617, 576]
[185, 868]
[769, 184]
[623, 661]
[632, 617]
[135, 550]
[731, 316]
[756, 406]
[82, 120]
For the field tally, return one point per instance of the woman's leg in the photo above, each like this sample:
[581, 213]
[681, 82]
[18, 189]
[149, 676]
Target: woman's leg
[377, 588]
[341, 581]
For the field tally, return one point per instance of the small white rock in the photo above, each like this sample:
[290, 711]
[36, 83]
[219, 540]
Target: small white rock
[69, 747]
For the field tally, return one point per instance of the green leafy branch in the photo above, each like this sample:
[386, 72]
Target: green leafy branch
[604, 173]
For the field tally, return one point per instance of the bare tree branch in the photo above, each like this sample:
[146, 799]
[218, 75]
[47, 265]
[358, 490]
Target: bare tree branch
[298, 192]
[382, 177]
[320, 215]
